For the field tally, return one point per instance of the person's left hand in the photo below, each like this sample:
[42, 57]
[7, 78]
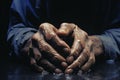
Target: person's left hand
[93, 48]
[84, 49]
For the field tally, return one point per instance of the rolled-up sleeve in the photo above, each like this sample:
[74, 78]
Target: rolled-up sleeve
[111, 43]
[17, 35]
[19, 29]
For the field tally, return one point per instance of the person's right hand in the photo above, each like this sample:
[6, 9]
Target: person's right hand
[40, 52]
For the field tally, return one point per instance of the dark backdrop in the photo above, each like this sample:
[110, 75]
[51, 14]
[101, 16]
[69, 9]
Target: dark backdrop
[4, 19]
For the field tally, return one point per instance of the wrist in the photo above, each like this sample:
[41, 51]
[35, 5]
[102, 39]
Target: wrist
[97, 45]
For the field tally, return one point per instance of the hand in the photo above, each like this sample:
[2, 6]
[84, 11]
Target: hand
[41, 54]
[84, 49]
[93, 47]
[80, 37]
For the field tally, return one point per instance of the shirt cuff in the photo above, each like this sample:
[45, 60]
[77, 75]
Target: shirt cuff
[109, 45]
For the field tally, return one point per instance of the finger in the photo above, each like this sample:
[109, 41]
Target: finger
[89, 63]
[53, 55]
[43, 46]
[80, 37]
[76, 49]
[34, 65]
[60, 43]
[37, 54]
[78, 62]
[46, 48]
[48, 30]
[49, 66]
[25, 49]
[50, 34]
[34, 53]
[65, 29]
[45, 64]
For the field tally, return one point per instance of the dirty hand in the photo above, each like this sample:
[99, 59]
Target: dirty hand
[40, 52]
[84, 49]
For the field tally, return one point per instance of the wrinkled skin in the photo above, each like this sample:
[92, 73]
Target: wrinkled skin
[84, 49]
[80, 55]
[41, 53]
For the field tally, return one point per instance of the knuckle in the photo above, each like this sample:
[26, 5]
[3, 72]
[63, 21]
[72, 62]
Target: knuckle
[78, 62]
[34, 37]
[44, 25]
[37, 38]
[84, 33]
[92, 59]
[86, 53]
[75, 53]
[52, 35]
[73, 25]
[56, 55]
[44, 47]
[68, 24]
[78, 41]
[64, 24]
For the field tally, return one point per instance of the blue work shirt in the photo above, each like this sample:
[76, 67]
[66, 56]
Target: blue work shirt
[96, 17]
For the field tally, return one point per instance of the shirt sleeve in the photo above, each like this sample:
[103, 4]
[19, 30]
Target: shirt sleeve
[20, 27]
[111, 43]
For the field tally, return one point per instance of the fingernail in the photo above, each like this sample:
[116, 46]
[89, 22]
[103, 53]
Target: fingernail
[68, 71]
[64, 64]
[58, 71]
[70, 59]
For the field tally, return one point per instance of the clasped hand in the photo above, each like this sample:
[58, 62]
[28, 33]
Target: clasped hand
[48, 50]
